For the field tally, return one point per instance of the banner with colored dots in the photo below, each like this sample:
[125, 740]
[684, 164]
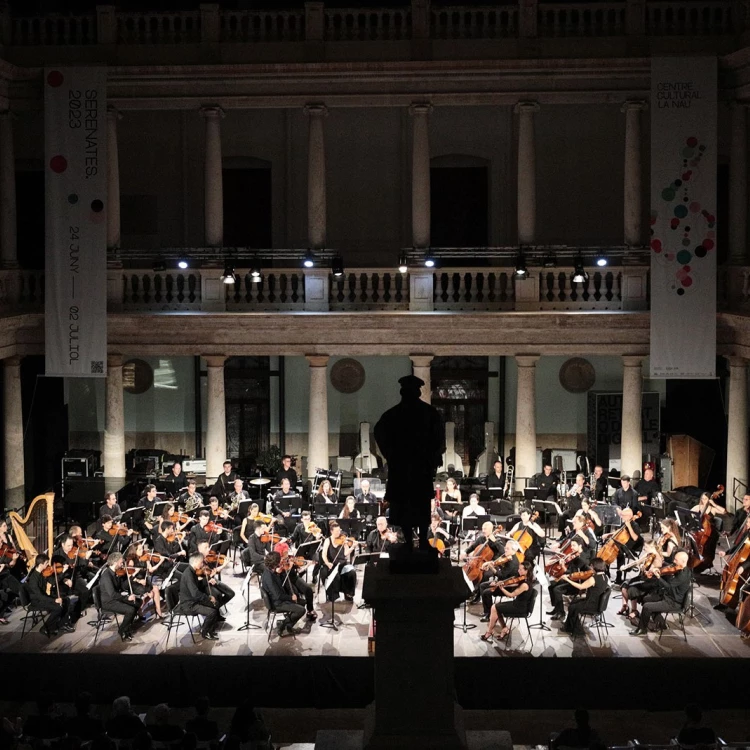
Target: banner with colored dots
[75, 146]
[683, 217]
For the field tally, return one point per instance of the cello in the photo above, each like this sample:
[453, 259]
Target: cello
[705, 539]
[731, 580]
[610, 548]
[524, 538]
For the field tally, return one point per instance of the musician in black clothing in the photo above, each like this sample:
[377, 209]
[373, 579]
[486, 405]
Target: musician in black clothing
[255, 553]
[218, 514]
[115, 599]
[336, 557]
[558, 588]
[199, 534]
[494, 542]
[285, 491]
[194, 600]
[381, 538]
[585, 536]
[293, 583]
[287, 472]
[307, 540]
[436, 533]
[363, 494]
[78, 573]
[634, 543]
[625, 496]
[535, 531]
[499, 572]
[575, 495]
[238, 496]
[110, 507]
[223, 593]
[176, 480]
[225, 483]
[172, 550]
[647, 488]
[496, 480]
[57, 607]
[147, 502]
[190, 500]
[110, 542]
[740, 516]
[601, 484]
[670, 595]
[593, 587]
[546, 482]
[738, 534]
[281, 600]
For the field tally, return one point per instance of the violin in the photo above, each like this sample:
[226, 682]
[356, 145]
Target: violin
[175, 535]
[515, 581]
[556, 569]
[181, 518]
[214, 528]
[293, 562]
[119, 529]
[76, 551]
[130, 570]
[267, 537]
[264, 517]
[55, 569]
[8, 550]
[669, 570]
[151, 557]
[580, 575]
[313, 529]
[214, 558]
[350, 541]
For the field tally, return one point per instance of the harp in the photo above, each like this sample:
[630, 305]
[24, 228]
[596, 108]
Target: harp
[34, 531]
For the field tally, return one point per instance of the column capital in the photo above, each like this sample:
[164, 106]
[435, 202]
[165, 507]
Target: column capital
[421, 109]
[634, 105]
[632, 360]
[526, 108]
[315, 110]
[733, 360]
[421, 360]
[317, 360]
[215, 360]
[527, 360]
[113, 113]
[212, 112]
[114, 360]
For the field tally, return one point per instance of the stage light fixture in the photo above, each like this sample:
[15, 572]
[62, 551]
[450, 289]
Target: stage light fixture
[183, 263]
[429, 260]
[255, 273]
[159, 267]
[521, 270]
[549, 261]
[309, 260]
[601, 261]
[228, 276]
[403, 266]
[579, 273]
[337, 266]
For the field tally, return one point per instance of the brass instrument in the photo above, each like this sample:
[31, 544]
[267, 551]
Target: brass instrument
[509, 476]
[34, 532]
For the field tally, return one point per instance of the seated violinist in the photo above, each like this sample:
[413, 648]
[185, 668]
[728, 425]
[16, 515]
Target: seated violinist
[77, 573]
[500, 569]
[336, 556]
[593, 588]
[575, 561]
[117, 597]
[381, 538]
[213, 564]
[169, 514]
[146, 579]
[520, 595]
[195, 599]
[281, 598]
[255, 553]
[294, 583]
[166, 544]
[57, 605]
[218, 514]
[488, 538]
[199, 533]
[113, 537]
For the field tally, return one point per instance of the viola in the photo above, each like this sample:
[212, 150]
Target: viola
[731, 580]
[181, 518]
[557, 568]
[350, 541]
[313, 529]
[75, 551]
[8, 550]
[151, 557]
[119, 529]
[214, 528]
[580, 575]
[267, 537]
[175, 535]
[293, 562]
[53, 569]
[130, 570]
[669, 570]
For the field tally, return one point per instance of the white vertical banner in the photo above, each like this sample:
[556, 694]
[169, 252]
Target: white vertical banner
[75, 150]
[683, 217]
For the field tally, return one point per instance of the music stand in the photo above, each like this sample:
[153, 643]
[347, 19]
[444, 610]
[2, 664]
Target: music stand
[688, 520]
[352, 526]
[473, 523]
[326, 510]
[463, 625]
[501, 508]
[452, 507]
[159, 506]
[249, 625]
[243, 507]
[284, 504]
[367, 510]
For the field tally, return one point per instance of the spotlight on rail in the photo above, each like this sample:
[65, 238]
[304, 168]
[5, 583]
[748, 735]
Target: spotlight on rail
[403, 266]
[601, 260]
[337, 266]
[521, 270]
[228, 276]
[309, 260]
[183, 263]
[255, 274]
[579, 273]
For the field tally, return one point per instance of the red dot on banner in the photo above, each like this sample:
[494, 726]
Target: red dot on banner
[55, 78]
[58, 164]
[692, 142]
[656, 245]
[686, 268]
[708, 244]
[687, 281]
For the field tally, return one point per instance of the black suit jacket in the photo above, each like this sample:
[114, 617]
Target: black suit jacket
[191, 589]
[109, 588]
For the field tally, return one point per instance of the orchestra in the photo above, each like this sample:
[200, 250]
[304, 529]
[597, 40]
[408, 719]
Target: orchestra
[289, 547]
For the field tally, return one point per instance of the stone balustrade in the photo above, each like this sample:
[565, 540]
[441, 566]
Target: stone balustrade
[21, 291]
[210, 24]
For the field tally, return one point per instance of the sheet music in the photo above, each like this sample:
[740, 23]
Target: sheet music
[331, 576]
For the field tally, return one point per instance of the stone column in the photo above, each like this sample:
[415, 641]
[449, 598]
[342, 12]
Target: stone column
[526, 172]
[526, 464]
[631, 443]
[316, 179]
[8, 251]
[212, 179]
[13, 434]
[317, 431]
[114, 420]
[216, 420]
[420, 175]
[738, 187]
[633, 202]
[420, 367]
[113, 180]
[737, 440]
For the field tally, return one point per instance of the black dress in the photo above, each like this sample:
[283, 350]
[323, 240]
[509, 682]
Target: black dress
[516, 607]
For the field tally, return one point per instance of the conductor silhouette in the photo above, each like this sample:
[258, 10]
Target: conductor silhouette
[411, 438]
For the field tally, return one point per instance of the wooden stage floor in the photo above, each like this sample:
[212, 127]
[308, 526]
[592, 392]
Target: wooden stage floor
[709, 635]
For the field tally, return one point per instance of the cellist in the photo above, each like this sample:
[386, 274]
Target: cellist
[635, 539]
[737, 542]
[532, 528]
[438, 533]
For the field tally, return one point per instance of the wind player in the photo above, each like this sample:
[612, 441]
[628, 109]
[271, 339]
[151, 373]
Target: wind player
[496, 480]
[190, 500]
[575, 496]
[224, 484]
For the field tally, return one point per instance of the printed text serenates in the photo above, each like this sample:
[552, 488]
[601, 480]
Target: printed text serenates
[83, 111]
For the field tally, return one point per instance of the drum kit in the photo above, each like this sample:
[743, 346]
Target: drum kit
[260, 482]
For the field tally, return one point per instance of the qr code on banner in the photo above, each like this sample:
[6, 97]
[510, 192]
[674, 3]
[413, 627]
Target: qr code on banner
[97, 367]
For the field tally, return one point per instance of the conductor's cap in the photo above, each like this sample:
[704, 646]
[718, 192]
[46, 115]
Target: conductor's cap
[411, 381]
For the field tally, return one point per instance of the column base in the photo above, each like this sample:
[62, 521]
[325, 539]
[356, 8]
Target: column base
[353, 739]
